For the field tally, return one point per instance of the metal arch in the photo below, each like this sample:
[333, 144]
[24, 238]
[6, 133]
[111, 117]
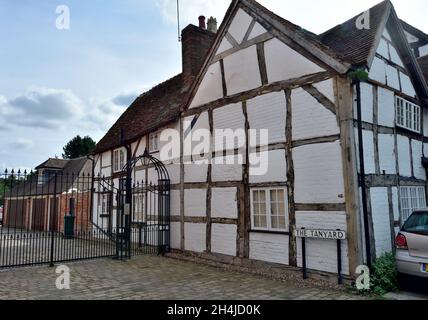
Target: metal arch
[148, 159]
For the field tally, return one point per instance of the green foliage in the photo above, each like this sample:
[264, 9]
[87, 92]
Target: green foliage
[359, 74]
[6, 185]
[384, 275]
[78, 147]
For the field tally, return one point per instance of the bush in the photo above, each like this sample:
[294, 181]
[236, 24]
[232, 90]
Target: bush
[384, 275]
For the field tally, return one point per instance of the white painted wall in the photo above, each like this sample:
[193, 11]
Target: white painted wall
[386, 107]
[318, 173]
[230, 117]
[387, 155]
[322, 254]
[226, 172]
[406, 85]
[211, 87]
[224, 46]
[418, 169]
[224, 203]
[284, 63]
[175, 202]
[326, 88]
[242, 71]
[310, 118]
[175, 235]
[367, 105]
[195, 202]
[271, 168]
[392, 77]
[257, 31]
[239, 26]
[223, 239]
[378, 71]
[381, 220]
[195, 237]
[369, 161]
[395, 204]
[268, 112]
[195, 172]
[269, 247]
[404, 163]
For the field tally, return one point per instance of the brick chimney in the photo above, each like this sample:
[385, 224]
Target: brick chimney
[196, 41]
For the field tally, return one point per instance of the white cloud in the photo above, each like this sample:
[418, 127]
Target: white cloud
[23, 144]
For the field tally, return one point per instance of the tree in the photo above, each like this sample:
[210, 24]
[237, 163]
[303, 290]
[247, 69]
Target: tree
[78, 147]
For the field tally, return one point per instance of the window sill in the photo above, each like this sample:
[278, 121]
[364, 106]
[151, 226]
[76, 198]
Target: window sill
[279, 232]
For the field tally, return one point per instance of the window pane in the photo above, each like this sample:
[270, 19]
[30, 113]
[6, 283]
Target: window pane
[262, 195]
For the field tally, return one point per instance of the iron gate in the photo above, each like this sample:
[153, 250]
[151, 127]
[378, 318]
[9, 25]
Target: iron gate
[61, 216]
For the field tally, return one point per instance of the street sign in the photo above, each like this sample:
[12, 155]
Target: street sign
[321, 234]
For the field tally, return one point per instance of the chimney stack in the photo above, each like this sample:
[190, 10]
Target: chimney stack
[212, 25]
[202, 22]
[196, 41]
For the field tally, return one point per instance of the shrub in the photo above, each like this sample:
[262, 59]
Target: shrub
[384, 275]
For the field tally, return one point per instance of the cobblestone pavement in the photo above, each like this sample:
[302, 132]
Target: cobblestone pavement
[152, 277]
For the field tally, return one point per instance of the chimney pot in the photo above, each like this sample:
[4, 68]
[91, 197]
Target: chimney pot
[212, 25]
[202, 22]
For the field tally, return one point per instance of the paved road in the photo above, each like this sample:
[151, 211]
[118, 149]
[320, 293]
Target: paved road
[152, 277]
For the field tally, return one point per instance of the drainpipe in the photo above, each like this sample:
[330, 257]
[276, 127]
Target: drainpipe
[362, 178]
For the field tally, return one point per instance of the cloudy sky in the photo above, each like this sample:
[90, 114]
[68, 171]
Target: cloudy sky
[55, 84]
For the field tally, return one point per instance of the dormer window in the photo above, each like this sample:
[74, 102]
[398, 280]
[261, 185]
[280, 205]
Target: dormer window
[408, 115]
[118, 160]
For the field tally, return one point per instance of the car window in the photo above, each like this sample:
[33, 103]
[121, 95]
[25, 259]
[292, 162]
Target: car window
[417, 223]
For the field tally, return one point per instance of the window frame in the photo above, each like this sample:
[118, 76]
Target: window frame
[269, 227]
[408, 115]
[154, 149]
[105, 204]
[118, 160]
[141, 214]
[408, 195]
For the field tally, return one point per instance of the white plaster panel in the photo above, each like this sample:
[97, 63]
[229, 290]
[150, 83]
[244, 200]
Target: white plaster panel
[230, 117]
[322, 254]
[387, 155]
[394, 56]
[223, 239]
[395, 204]
[404, 163]
[268, 166]
[326, 88]
[392, 77]
[425, 121]
[224, 203]
[257, 31]
[369, 160]
[425, 149]
[192, 137]
[224, 46]
[195, 202]
[106, 159]
[175, 202]
[383, 49]
[269, 247]
[418, 169]
[423, 50]
[366, 103]
[268, 112]
[318, 173]
[226, 169]
[406, 85]
[239, 25]
[378, 71]
[195, 172]
[195, 237]
[242, 71]
[284, 63]
[310, 118]
[386, 34]
[381, 220]
[176, 235]
[174, 172]
[211, 87]
[386, 107]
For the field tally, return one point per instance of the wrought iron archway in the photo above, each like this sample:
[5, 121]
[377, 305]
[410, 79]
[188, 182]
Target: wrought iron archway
[143, 221]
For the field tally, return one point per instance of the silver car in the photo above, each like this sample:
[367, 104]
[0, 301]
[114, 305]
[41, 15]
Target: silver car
[412, 245]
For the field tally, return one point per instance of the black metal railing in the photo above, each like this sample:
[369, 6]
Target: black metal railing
[68, 217]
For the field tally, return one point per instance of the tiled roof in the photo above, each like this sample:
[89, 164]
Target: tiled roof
[157, 107]
[350, 42]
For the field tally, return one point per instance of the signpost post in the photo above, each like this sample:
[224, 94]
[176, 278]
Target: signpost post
[337, 235]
